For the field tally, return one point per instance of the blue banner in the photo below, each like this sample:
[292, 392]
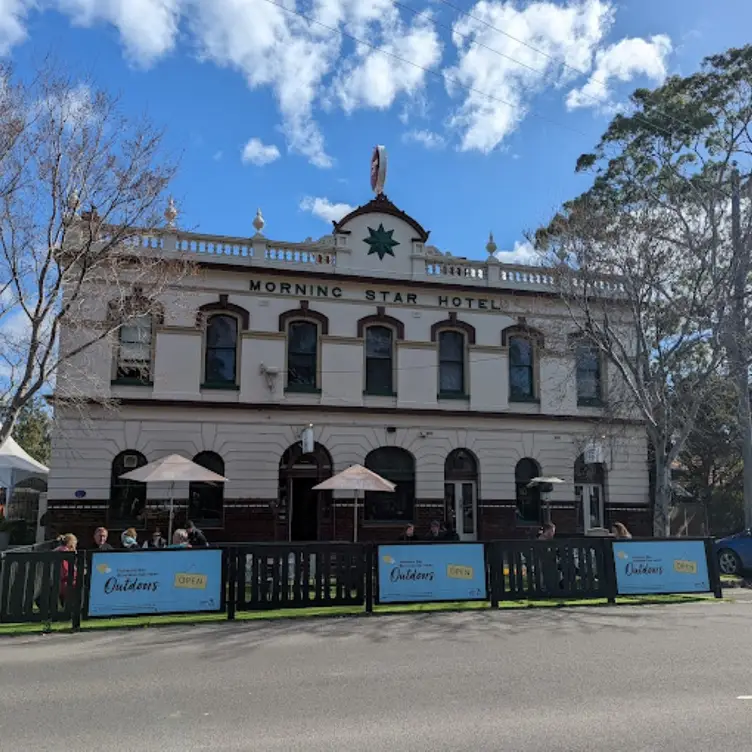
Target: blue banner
[673, 566]
[432, 572]
[128, 583]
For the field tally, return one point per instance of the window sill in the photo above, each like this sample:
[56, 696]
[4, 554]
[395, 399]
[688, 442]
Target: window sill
[131, 382]
[590, 402]
[302, 389]
[219, 386]
[366, 393]
[452, 396]
[528, 400]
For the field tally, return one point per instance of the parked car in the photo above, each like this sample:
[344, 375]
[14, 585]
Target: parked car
[734, 552]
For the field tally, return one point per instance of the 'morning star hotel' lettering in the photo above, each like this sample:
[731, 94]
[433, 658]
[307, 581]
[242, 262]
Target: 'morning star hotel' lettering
[307, 290]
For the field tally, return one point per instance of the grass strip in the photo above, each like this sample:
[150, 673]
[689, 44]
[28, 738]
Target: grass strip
[139, 622]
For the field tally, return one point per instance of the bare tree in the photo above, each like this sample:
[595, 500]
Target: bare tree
[79, 186]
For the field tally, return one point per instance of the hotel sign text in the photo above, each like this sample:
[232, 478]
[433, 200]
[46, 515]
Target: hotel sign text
[307, 290]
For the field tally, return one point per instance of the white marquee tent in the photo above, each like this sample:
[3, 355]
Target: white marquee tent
[17, 465]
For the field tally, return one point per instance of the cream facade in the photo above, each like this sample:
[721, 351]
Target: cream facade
[458, 378]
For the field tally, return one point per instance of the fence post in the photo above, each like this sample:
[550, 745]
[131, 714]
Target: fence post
[713, 571]
[81, 576]
[489, 549]
[370, 562]
[609, 562]
[232, 581]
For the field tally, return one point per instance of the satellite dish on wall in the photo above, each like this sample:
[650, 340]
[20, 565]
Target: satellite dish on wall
[378, 169]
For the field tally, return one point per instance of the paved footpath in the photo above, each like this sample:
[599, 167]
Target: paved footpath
[603, 679]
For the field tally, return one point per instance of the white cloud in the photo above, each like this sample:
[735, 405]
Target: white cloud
[325, 209]
[258, 153]
[522, 253]
[12, 31]
[622, 61]
[429, 139]
[307, 66]
[567, 34]
[148, 28]
[372, 79]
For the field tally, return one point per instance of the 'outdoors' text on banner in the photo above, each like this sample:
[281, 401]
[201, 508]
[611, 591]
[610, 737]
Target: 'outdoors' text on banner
[675, 566]
[128, 583]
[432, 572]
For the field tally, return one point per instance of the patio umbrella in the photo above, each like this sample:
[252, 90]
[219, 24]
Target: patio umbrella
[170, 469]
[357, 479]
[546, 485]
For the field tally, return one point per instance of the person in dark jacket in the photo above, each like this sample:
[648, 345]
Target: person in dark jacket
[409, 535]
[435, 532]
[450, 534]
[100, 540]
[156, 540]
[196, 537]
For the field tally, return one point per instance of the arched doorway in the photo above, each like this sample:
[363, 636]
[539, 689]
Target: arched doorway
[300, 507]
[589, 492]
[461, 493]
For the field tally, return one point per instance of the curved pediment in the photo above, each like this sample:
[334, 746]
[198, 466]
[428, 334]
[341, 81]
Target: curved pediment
[382, 205]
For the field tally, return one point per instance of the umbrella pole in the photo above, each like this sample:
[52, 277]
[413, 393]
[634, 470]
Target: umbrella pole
[172, 513]
[355, 518]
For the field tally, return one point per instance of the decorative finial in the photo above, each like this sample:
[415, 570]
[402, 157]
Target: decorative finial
[171, 213]
[491, 245]
[258, 221]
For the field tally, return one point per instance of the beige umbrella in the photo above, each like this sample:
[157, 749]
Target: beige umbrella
[170, 469]
[546, 485]
[357, 479]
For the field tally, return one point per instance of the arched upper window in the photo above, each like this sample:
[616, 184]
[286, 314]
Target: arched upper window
[221, 354]
[205, 500]
[528, 499]
[398, 466]
[379, 360]
[134, 357]
[459, 465]
[302, 355]
[451, 363]
[127, 497]
[589, 382]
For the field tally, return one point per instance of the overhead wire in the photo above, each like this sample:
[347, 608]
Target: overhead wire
[454, 80]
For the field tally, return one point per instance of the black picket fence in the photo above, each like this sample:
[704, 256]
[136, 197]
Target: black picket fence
[50, 587]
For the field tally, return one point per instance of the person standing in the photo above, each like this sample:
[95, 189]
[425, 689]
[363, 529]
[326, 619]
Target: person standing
[100, 539]
[69, 544]
[196, 537]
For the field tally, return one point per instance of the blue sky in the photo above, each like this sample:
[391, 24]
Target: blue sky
[305, 105]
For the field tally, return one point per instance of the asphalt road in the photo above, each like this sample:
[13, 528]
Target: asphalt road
[608, 679]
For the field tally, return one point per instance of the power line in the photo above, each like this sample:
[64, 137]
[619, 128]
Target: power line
[563, 63]
[436, 74]
[455, 80]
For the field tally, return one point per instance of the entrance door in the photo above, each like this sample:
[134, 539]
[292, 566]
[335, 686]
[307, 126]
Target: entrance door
[462, 504]
[304, 512]
[590, 495]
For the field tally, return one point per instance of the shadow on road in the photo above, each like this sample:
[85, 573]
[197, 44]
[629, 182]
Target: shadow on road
[226, 640]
